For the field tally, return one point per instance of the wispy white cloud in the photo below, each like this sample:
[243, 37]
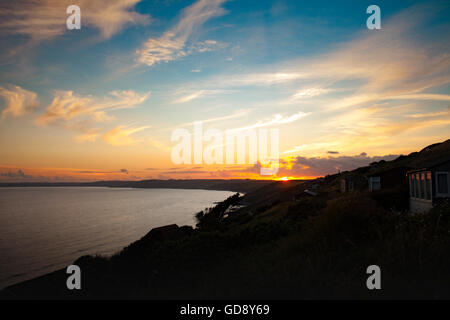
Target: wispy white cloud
[236, 114]
[186, 96]
[18, 101]
[172, 44]
[46, 19]
[431, 114]
[311, 147]
[67, 105]
[276, 119]
[422, 96]
[255, 79]
[310, 92]
[190, 97]
[88, 135]
[80, 113]
[340, 87]
[207, 46]
[390, 64]
[122, 135]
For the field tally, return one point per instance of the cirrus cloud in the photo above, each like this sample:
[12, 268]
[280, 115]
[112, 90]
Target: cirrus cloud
[276, 119]
[67, 105]
[122, 136]
[172, 44]
[78, 113]
[18, 101]
[46, 19]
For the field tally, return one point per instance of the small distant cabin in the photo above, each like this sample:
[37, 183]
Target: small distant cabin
[304, 194]
[429, 185]
[352, 183]
[388, 179]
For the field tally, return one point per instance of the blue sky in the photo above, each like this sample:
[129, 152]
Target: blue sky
[109, 95]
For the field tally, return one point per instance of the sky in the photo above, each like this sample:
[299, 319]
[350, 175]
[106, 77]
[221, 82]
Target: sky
[103, 102]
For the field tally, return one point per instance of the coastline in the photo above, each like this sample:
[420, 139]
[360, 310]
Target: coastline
[292, 240]
[233, 185]
[49, 274]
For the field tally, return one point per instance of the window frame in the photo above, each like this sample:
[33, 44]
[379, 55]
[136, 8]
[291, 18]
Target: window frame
[416, 184]
[411, 185]
[373, 181]
[439, 194]
[422, 186]
[428, 185]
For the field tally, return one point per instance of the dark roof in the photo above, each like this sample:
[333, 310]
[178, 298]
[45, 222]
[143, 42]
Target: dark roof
[384, 171]
[430, 166]
[354, 179]
[432, 155]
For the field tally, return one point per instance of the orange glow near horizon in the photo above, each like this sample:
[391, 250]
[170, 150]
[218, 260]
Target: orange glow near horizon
[33, 174]
[284, 179]
[70, 114]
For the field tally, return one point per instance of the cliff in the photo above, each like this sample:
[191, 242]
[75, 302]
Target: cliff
[292, 240]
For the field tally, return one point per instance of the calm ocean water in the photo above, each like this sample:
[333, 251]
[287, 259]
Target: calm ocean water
[43, 229]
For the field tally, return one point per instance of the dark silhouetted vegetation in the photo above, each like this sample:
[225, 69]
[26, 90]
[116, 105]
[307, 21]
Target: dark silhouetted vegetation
[283, 244]
[211, 217]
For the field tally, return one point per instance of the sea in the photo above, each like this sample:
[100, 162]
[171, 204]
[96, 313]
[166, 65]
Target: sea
[43, 229]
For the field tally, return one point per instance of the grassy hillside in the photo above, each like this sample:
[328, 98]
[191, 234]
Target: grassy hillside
[284, 243]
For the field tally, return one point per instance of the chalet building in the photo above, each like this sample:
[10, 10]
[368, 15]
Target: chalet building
[347, 185]
[388, 179]
[429, 185]
[352, 183]
[304, 194]
[374, 183]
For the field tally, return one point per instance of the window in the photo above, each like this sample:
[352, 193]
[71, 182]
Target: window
[428, 185]
[416, 186]
[411, 186]
[375, 183]
[422, 186]
[442, 184]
